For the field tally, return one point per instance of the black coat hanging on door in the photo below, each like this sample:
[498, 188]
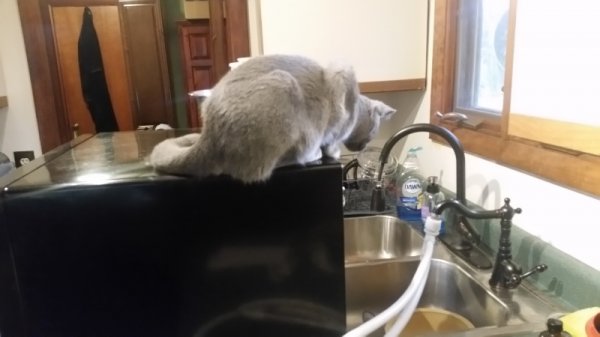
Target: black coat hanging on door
[93, 81]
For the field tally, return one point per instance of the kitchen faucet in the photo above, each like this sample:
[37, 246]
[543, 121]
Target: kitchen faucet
[506, 273]
[468, 236]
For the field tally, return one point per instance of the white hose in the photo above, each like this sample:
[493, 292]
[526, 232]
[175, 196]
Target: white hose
[432, 228]
[407, 313]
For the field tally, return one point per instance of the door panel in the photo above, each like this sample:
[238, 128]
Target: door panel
[236, 29]
[145, 49]
[198, 62]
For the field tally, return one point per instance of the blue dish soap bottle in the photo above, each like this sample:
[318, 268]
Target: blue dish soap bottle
[410, 182]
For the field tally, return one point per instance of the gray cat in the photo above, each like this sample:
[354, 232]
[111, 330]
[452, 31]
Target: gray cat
[273, 111]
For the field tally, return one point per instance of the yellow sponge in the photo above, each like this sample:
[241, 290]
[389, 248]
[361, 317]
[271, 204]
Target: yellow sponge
[574, 323]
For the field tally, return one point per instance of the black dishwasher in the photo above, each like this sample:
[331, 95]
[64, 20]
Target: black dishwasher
[93, 242]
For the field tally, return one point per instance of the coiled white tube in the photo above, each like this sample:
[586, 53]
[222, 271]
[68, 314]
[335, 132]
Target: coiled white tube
[407, 313]
[432, 229]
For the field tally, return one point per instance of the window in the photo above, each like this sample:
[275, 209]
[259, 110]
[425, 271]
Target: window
[481, 53]
[473, 46]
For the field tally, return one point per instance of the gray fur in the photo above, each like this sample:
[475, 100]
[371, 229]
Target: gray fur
[273, 111]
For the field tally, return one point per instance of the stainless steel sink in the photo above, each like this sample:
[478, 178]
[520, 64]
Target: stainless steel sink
[375, 238]
[372, 287]
[382, 254]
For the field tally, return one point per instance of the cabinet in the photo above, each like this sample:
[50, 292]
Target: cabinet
[198, 61]
[209, 45]
[385, 40]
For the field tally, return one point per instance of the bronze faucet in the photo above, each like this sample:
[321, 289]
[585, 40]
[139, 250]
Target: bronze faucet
[506, 273]
[468, 236]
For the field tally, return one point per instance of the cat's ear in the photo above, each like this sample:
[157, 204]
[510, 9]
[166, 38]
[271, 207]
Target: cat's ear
[383, 110]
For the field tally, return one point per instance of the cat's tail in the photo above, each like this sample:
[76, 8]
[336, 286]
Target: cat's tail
[173, 155]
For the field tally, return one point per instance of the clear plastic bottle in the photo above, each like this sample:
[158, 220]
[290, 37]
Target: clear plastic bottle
[410, 188]
[431, 197]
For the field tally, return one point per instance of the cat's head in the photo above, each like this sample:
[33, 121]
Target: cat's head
[370, 112]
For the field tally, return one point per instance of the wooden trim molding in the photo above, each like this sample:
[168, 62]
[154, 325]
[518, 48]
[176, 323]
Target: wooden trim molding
[51, 125]
[444, 40]
[572, 170]
[3, 101]
[557, 133]
[397, 85]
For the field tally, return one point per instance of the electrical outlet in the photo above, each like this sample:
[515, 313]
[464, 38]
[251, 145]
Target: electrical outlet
[23, 157]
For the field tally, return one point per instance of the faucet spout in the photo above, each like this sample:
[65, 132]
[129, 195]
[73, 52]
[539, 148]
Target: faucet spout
[448, 136]
[464, 210]
[377, 201]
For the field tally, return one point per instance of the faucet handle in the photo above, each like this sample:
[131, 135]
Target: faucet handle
[537, 269]
[451, 116]
[515, 279]
[508, 210]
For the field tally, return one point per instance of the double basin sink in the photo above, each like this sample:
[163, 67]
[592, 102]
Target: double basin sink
[382, 254]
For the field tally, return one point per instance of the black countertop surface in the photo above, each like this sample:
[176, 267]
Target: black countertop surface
[96, 159]
[93, 159]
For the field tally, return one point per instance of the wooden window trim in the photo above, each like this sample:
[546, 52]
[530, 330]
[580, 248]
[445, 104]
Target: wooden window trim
[565, 167]
[393, 86]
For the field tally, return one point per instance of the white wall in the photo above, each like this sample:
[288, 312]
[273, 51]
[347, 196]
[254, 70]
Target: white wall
[18, 125]
[292, 27]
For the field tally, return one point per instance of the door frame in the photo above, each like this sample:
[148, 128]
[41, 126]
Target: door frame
[53, 125]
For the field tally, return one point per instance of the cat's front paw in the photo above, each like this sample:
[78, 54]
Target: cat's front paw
[331, 151]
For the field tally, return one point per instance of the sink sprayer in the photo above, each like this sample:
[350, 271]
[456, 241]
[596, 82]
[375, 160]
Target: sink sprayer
[405, 306]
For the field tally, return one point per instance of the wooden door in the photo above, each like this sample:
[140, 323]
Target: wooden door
[140, 90]
[197, 61]
[229, 32]
[209, 45]
[67, 22]
[147, 61]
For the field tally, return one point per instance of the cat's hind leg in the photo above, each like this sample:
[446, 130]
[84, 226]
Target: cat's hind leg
[267, 126]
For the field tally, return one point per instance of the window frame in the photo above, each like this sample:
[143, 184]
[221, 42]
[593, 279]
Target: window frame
[490, 138]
